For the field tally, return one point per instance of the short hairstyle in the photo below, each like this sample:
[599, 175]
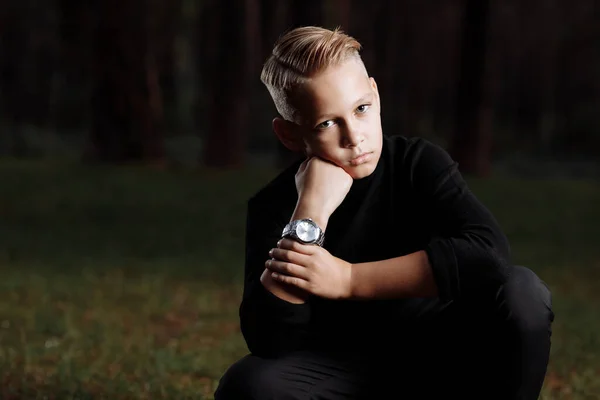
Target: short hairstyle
[298, 55]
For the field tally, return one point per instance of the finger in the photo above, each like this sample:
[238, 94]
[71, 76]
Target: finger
[289, 244]
[287, 268]
[290, 256]
[290, 280]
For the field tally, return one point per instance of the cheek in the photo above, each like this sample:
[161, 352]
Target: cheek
[373, 123]
[321, 146]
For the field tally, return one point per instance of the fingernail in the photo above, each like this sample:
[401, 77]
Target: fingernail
[271, 252]
[279, 243]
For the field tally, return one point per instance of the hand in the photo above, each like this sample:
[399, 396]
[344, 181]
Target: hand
[321, 186]
[311, 268]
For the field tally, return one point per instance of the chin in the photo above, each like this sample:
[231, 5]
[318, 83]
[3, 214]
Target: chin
[361, 171]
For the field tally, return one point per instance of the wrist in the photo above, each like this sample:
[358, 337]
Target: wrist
[358, 287]
[350, 290]
[320, 217]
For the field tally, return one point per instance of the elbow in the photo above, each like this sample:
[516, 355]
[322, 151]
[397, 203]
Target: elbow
[499, 245]
[256, 348]
[497, 265]
[259, 344]
[467, 252]
[487, 260]
[468, 263]
[271, 326]
[263, 336]
[250, 330]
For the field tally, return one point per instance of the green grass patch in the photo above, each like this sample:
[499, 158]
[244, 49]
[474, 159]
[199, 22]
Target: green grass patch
[124, 283]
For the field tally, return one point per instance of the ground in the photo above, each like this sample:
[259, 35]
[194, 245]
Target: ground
[124, 283]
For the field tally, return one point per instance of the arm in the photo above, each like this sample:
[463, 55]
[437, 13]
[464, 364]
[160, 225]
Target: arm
[275, 314]
[406, 276]
[270, 325]
[467, 251]
[283, 290]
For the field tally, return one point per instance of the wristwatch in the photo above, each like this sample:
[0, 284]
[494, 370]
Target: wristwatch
[305, 231]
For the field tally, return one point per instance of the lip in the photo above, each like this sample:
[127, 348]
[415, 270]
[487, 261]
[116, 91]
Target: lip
[361, 159]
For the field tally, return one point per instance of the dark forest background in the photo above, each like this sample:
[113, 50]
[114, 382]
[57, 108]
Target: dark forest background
[510, 82]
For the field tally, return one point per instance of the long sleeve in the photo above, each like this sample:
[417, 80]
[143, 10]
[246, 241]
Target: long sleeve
[467, 250]
[271, 326]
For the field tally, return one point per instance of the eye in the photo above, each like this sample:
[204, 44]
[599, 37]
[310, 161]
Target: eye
[363, 108]
[325, 124]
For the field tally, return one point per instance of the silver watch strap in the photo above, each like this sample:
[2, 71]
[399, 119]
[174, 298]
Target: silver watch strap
[290, 231]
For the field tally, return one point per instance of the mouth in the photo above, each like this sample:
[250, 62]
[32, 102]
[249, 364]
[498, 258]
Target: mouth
[361, 159]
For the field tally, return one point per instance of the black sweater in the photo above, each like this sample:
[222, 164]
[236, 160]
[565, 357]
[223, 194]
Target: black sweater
[416, 199]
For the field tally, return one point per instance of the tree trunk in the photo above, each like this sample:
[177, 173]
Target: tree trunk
[76, 29]
[404, 65]
[251, 37]
[165, 26]
[14, 107]
[547, 62]
[471, 142]
[226, 75]
[126, 104]
[368, 33]
[275, 19]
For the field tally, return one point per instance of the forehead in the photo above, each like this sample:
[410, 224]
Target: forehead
[333, 91]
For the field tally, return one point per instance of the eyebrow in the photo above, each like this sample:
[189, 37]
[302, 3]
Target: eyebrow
[364, 99]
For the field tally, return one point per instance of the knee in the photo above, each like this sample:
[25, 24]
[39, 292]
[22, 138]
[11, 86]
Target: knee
[250, 378]
[525, 303]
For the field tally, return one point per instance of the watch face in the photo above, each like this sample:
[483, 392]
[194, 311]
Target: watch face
[307, 232]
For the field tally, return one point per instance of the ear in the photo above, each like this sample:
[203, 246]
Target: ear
[374, 87]
[288, 135]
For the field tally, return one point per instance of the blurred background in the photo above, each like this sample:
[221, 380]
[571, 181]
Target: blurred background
[132, 133]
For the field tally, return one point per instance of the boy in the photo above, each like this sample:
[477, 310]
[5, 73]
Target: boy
[372, 272]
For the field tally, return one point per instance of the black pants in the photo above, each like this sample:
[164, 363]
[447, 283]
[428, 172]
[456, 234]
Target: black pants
[495, 349]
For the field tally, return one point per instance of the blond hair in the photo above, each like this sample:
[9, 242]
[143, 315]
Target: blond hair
[300, 54]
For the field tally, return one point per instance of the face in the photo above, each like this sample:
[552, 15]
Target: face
[338, 119]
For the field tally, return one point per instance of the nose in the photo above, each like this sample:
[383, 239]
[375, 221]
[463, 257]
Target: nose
[353, 135]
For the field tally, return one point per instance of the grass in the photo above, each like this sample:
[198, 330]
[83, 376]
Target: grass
[124, 283]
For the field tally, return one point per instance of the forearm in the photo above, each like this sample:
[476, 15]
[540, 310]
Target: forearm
[400, 277]
[284, 291]
[305, 210]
